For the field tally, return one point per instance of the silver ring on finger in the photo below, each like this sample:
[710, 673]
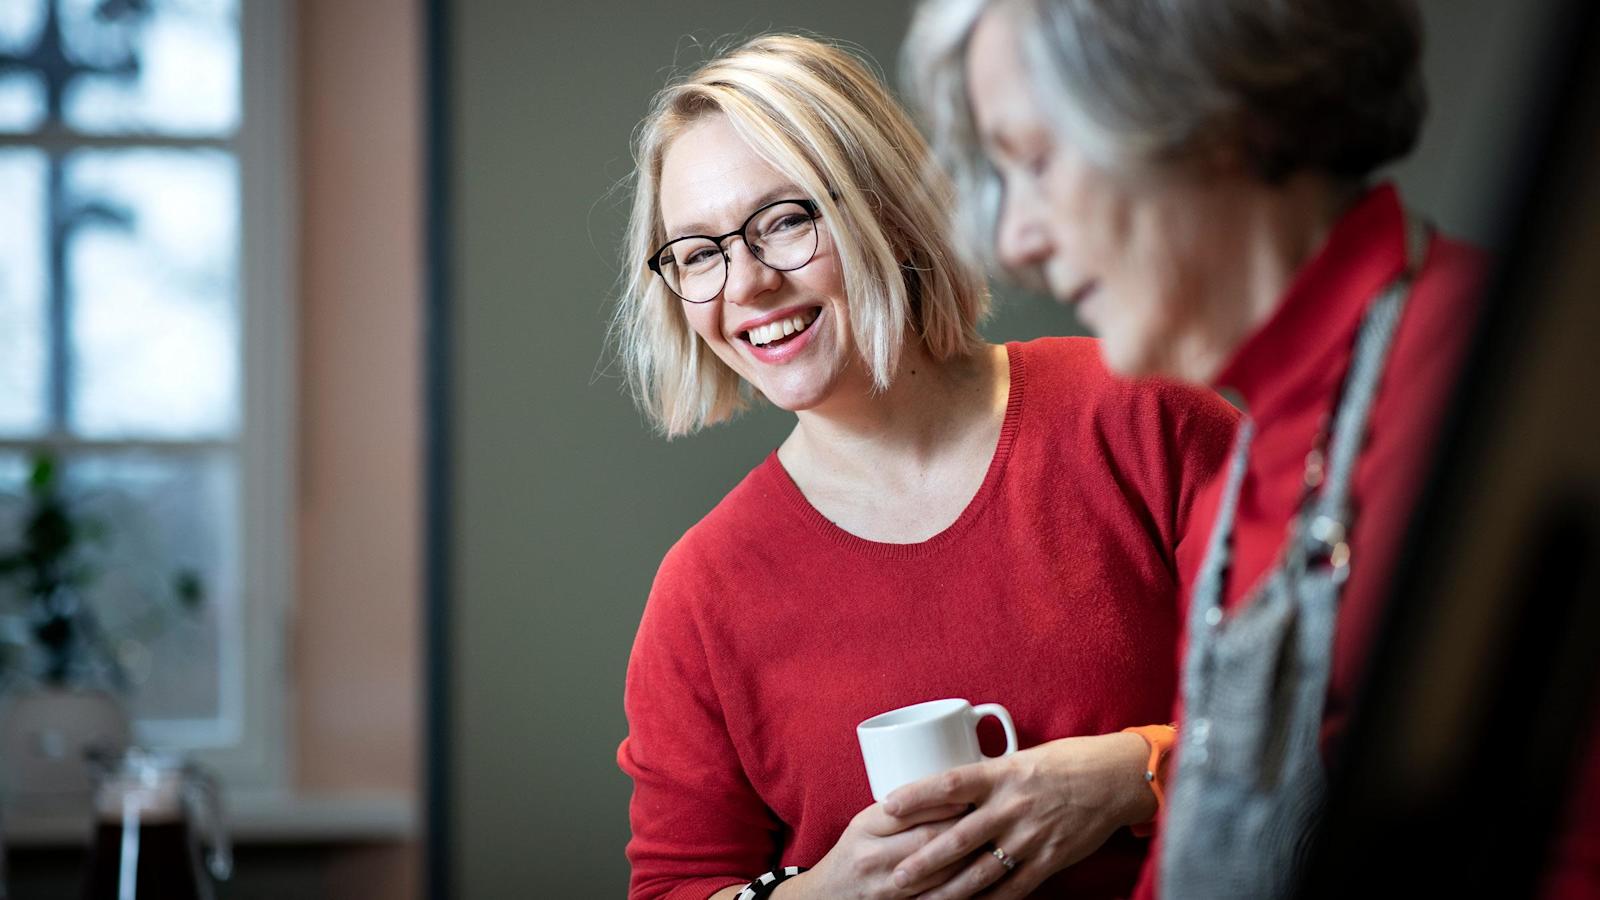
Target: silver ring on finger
[1005, 859]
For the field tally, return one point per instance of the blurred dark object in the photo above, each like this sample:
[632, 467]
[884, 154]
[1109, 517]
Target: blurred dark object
[152, 812]
[1471, 746]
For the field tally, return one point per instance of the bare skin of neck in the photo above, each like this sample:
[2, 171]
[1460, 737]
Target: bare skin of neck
[1267, 233]
[899, 466]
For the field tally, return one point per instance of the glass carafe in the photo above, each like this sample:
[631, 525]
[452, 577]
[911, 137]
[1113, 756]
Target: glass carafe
[156, 817]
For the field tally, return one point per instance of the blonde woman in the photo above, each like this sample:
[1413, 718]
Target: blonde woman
[948, 518]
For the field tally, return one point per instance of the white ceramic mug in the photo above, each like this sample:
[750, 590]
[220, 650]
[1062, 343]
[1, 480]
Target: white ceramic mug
[910, 743]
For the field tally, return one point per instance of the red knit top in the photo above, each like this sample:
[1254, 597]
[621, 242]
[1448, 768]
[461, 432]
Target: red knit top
[1288, 374]
[770, 632]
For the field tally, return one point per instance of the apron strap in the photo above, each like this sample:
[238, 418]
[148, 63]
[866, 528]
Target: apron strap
[1330, 516]
[1208, 585]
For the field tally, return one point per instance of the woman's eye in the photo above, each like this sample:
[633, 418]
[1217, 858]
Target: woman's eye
[787, 222]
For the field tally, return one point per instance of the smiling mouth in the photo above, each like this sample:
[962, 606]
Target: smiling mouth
[774, 334]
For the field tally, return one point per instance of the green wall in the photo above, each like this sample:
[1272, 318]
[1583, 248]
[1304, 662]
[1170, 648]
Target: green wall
[563, 502]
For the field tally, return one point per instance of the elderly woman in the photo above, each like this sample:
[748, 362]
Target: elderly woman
[1196, 179]
[948, 518]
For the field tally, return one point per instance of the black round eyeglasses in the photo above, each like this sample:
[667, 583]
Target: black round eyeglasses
[782, 235]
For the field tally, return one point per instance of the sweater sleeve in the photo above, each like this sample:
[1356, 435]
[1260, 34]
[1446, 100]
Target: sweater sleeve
[1181, 436]
[1173, 444]
[1203, 432]
[698, 825]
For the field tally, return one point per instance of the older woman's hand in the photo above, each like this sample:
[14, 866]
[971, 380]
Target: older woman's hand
[1046, 807]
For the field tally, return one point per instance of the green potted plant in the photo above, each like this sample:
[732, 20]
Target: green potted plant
[61, 674]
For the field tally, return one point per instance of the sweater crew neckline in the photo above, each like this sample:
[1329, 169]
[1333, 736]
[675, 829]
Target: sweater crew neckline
[772, 470]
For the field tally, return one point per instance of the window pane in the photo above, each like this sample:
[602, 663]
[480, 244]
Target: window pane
[13, 481]
[21, 101]
[152, 265]
[169, 66]
[13, 629]
[22, 284]
[161, 515]
[20, 21]
[165, 514]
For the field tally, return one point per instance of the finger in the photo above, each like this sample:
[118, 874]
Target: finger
[936, 879]
[966, 837]
[900, 845]
[981, 871]
[1023, 880]
[880, 823]
[964, 784]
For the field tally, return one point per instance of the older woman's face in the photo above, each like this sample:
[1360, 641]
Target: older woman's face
[711, 181]
[1128, 256]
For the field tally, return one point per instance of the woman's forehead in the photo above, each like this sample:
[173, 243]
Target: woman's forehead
[711, 179]
[997, 81]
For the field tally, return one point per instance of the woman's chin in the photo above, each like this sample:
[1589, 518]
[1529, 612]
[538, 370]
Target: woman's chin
[1163, 358]
[791, 397]
[810, 382]
[1130, 357]
[798, 394]
[795, 402]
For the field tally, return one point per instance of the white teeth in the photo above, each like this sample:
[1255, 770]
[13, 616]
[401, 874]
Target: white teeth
[772, 331]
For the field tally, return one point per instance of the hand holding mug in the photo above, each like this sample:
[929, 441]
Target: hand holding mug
[861, 864]
[1043, 809]
[899, 747]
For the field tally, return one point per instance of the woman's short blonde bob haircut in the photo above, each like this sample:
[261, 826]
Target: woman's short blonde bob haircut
[817, 114]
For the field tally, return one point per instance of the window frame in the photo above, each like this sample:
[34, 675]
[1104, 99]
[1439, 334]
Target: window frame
[268, 440]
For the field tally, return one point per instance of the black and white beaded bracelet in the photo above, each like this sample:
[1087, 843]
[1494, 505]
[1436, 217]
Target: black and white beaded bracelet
[763, 887]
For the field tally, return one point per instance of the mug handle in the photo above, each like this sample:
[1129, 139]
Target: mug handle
[203, 797]
[999, 712]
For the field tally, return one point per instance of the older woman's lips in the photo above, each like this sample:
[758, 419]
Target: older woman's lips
[1081, 302]
[1079, 294]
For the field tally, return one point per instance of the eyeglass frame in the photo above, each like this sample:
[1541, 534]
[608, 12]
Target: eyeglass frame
[812, 208]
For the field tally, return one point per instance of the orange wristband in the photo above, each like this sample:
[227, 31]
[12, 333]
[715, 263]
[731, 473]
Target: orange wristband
[1161, 738]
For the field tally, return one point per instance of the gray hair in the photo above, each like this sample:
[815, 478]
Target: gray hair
[1284, 86]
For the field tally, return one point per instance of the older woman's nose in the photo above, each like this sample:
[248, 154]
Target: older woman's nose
[748, 277]
[1021, 239]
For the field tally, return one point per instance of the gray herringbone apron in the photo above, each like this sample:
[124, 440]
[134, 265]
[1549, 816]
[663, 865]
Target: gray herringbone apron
[1250, 779]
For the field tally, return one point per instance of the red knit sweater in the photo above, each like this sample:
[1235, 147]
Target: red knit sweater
[770, 632]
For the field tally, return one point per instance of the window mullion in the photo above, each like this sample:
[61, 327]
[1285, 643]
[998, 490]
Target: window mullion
[58, 139]
[58, 314]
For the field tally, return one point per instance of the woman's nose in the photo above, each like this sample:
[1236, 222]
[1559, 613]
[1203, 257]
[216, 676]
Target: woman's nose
[1021, 240]
[748, 276]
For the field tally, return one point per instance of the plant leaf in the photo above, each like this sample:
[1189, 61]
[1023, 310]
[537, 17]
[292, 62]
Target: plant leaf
[43, 476]
[190, 588]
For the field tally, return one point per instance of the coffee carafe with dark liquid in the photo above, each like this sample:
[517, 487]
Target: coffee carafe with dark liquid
[152, 811]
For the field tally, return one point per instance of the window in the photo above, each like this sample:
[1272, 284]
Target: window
[144, 335]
